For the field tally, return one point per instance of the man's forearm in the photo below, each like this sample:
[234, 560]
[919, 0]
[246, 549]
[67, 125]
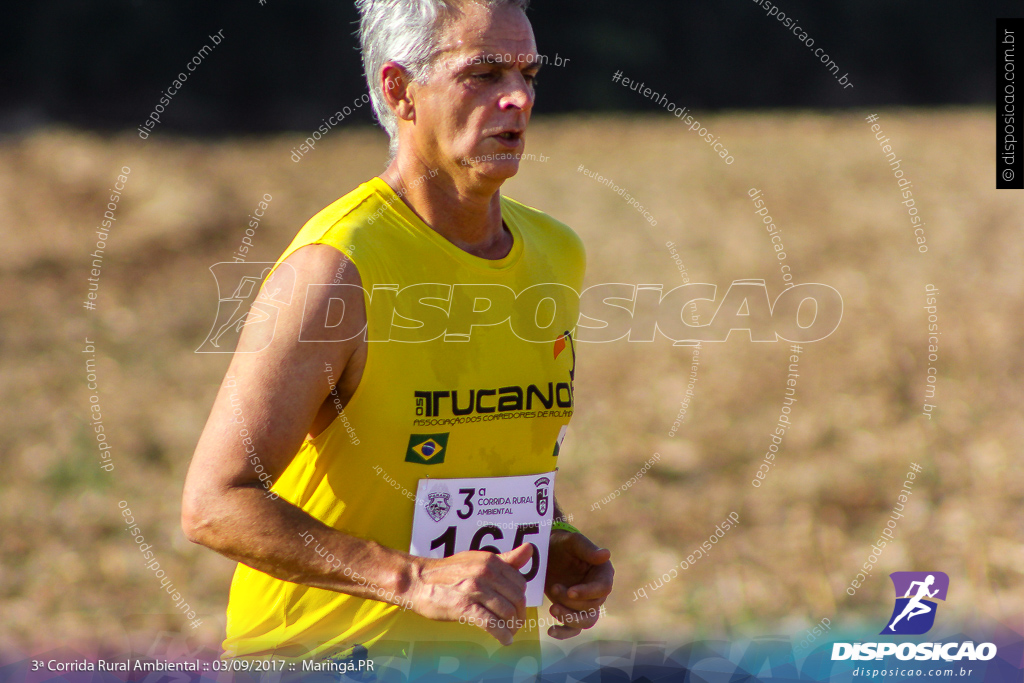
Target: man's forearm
[279, 539]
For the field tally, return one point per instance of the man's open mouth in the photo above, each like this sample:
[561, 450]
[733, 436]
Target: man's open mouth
[510, 135]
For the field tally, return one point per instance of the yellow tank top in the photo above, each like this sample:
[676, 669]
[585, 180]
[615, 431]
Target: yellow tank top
[493, 405]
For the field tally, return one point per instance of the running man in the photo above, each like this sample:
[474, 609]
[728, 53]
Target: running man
[346, 424]
[916, 606]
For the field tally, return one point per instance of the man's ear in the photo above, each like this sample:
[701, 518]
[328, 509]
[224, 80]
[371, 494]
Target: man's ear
[398, 91]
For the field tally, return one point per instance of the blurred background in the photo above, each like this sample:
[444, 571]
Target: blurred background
[80, 78]
[284, 66]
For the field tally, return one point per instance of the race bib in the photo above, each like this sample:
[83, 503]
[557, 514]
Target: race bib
[495, 514]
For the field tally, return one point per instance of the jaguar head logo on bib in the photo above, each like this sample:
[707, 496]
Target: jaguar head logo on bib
[438, 506]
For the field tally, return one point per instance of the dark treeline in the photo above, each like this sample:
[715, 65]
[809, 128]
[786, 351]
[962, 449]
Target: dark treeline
[288, 64]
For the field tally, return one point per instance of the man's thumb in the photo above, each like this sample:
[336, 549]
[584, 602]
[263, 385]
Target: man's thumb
[518, 557]
[588, 551]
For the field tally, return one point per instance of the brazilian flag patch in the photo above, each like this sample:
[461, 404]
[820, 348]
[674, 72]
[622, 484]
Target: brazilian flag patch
[427, 449]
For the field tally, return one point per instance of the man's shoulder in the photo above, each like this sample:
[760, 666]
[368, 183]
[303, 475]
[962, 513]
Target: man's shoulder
[336, 224]
[354, 209]
[544, 226]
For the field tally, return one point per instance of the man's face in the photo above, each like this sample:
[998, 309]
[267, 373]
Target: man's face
[472, 112]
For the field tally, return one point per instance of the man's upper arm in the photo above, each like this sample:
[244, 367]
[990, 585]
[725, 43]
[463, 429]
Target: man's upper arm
[276, 381]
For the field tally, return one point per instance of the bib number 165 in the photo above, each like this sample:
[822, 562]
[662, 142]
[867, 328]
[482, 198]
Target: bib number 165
[492, 533]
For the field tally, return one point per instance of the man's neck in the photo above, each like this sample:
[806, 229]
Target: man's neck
[468, 216]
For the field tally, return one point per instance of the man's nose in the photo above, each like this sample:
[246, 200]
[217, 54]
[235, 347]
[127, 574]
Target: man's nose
[519, 96]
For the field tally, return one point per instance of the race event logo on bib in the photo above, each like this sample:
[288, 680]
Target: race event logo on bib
[542, 495]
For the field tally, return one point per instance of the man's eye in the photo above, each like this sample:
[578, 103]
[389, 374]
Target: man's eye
[485, 76]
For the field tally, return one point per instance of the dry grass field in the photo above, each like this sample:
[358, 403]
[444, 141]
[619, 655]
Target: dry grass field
[70, 575]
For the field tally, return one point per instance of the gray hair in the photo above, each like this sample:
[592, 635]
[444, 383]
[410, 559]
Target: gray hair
[405, 32]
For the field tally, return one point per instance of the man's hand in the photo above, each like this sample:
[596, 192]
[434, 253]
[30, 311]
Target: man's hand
[579, 579]
[476, 587]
